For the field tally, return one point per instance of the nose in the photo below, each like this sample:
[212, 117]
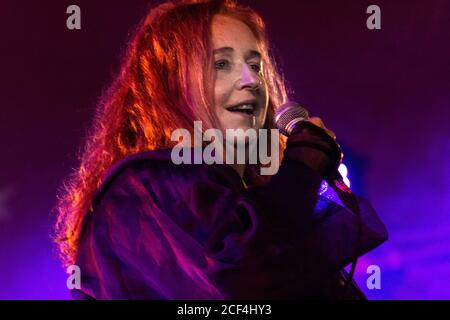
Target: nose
[248, 78]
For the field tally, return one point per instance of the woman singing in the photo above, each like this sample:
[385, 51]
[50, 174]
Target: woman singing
[140, 226]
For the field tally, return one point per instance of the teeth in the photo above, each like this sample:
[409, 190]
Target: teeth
[243, 107]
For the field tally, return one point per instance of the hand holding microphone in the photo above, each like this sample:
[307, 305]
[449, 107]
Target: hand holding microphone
[309, 140]
[312, 143]
[318, 122]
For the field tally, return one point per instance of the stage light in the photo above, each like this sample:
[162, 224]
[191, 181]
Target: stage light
[328, 192]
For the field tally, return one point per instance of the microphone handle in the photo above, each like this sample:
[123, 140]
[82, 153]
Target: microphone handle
[286, 123]
[349, 199]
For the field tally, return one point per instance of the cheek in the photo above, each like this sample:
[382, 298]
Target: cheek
[220, 100]
[221, 92]
[263, 115]
[260, 121]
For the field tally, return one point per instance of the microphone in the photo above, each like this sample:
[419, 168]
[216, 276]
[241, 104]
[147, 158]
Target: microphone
[287, 117]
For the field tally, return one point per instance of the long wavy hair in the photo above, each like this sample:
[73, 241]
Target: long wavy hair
[163, 84]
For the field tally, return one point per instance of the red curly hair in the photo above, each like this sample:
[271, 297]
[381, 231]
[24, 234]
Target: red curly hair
[163, 84]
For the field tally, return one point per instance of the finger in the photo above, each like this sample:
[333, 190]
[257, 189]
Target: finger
[318, 122]
[331, 134]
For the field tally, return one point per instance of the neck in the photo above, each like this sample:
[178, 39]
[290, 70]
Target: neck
[240, 169]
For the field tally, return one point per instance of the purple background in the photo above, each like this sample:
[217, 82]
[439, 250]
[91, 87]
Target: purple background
[385, 93]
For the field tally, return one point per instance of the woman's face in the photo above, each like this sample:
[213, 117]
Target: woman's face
[240, 91]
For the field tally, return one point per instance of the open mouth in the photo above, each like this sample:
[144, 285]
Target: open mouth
[245, 108]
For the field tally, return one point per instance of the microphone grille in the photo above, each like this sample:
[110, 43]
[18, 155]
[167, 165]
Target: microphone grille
[288, 114]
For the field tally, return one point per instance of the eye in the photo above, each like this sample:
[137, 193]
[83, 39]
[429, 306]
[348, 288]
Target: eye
[256, 67]
[222, 64]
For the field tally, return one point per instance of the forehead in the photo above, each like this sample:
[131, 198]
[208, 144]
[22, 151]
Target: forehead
[227, 31]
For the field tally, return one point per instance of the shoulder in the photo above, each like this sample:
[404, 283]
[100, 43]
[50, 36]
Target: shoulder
[155, 172]
[327, 210]
[137, 161]
[131, 170]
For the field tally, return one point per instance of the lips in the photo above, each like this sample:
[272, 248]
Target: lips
[246, 107]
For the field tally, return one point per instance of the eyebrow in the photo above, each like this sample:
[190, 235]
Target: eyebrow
[251, 53]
